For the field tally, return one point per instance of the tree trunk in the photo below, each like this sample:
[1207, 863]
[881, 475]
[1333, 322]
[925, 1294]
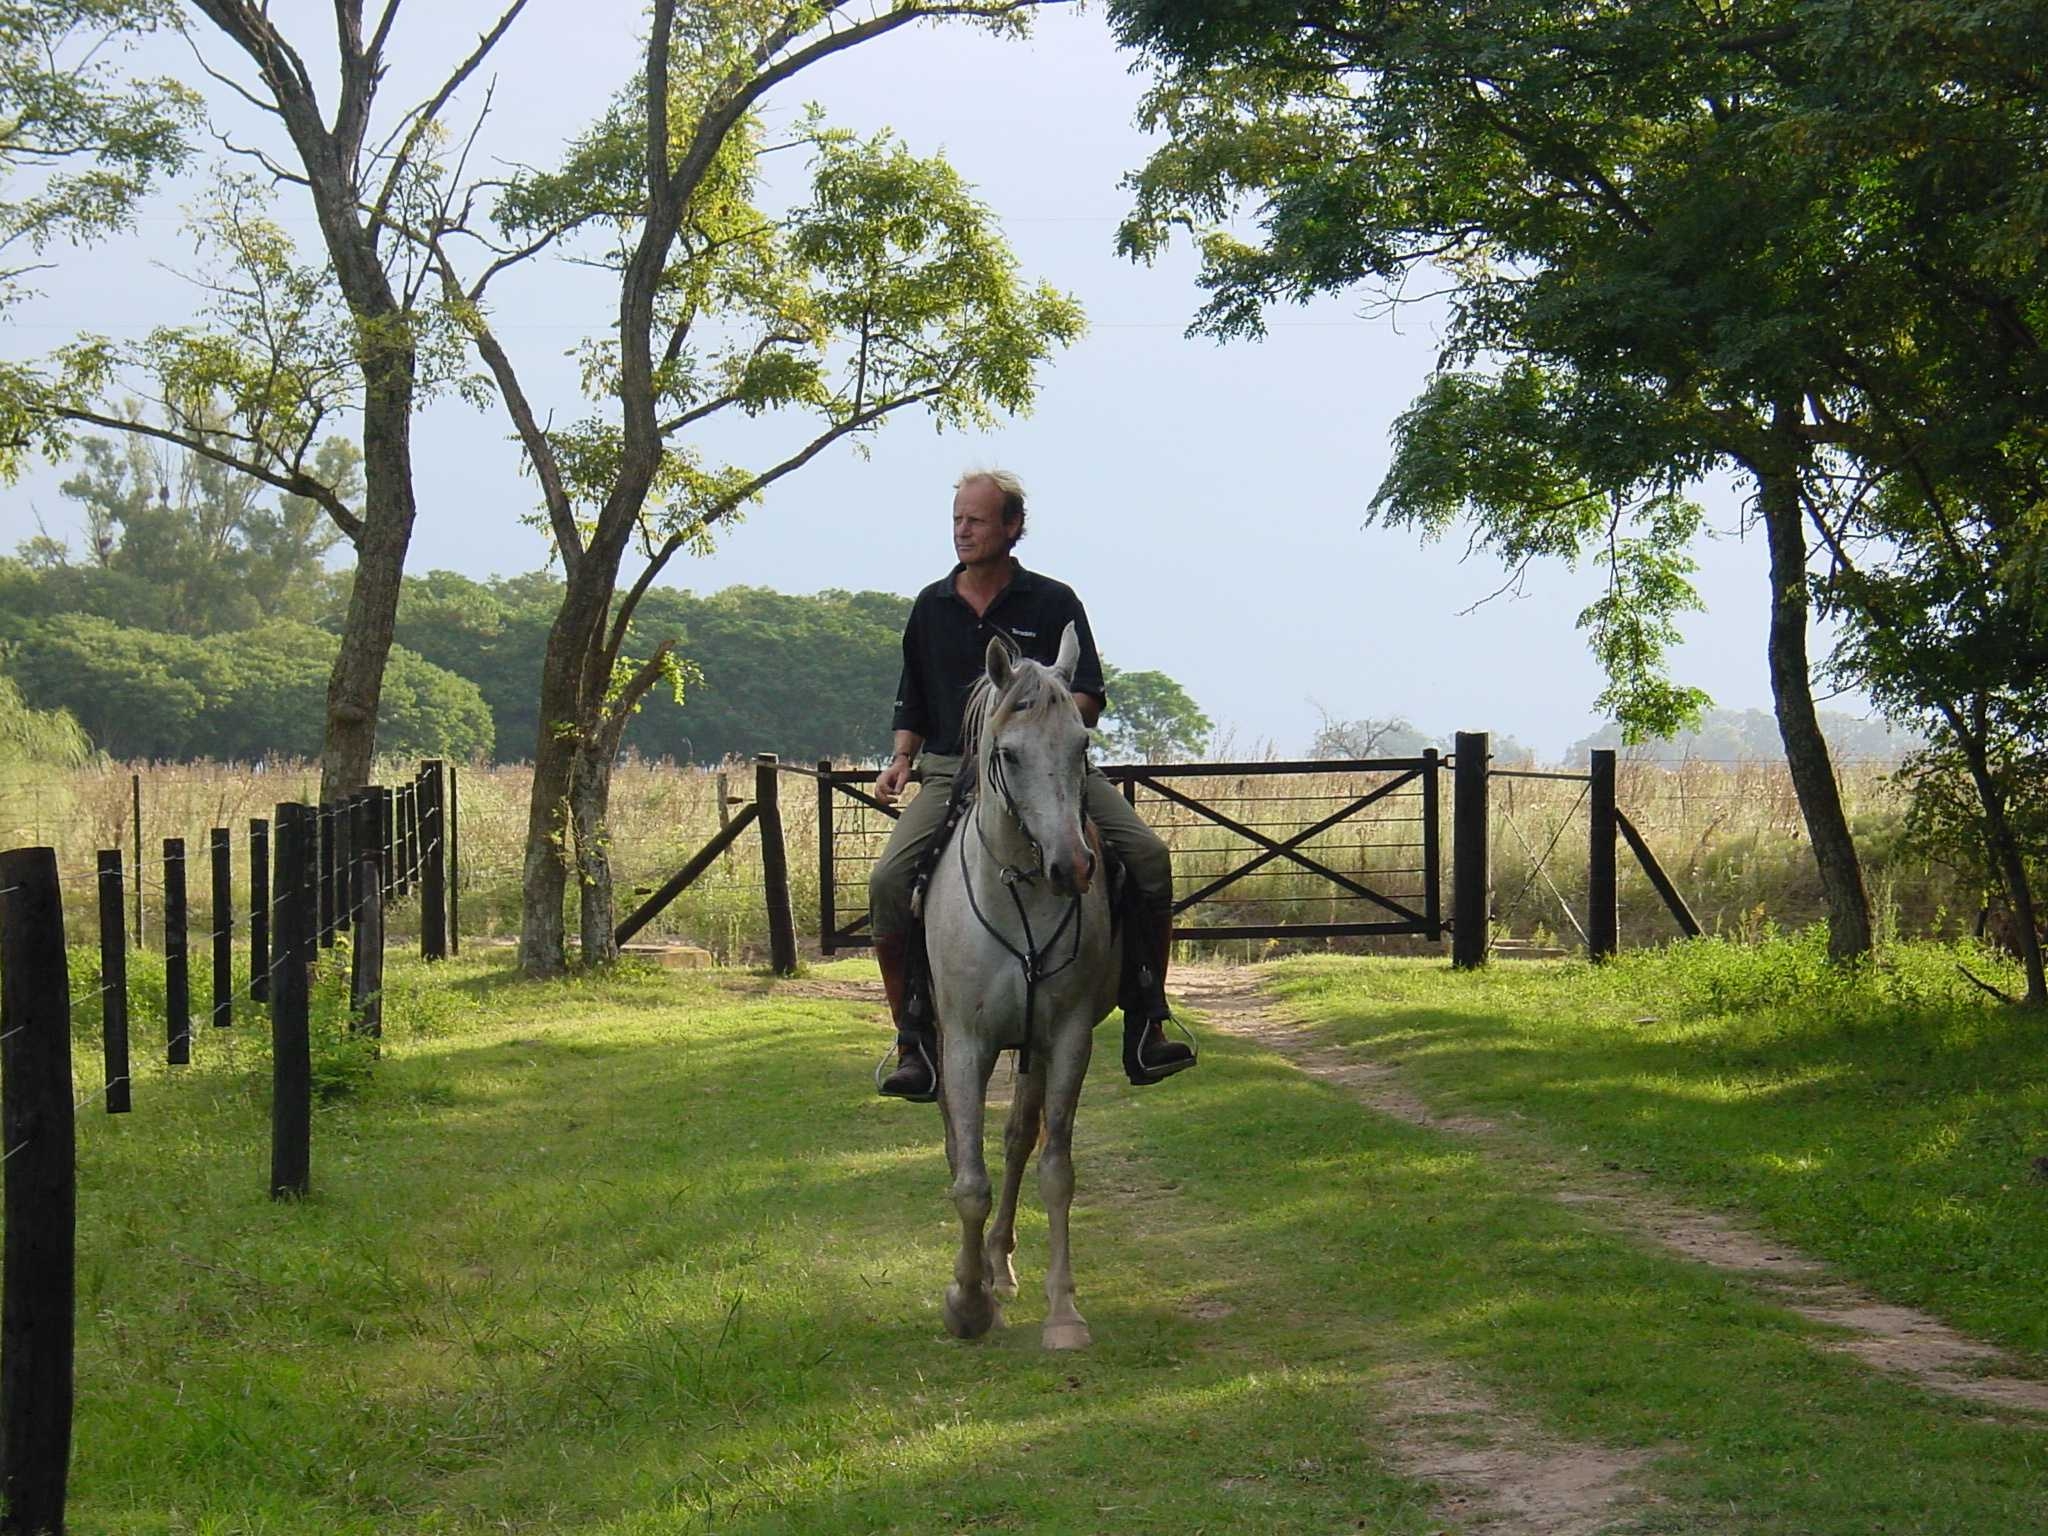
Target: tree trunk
[543, 947]
[571, 694]
[1806, 750]
[589, 799]
[356, 685]
[2010, 861]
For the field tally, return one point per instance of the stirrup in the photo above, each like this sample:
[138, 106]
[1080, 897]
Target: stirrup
[1143, 1074]
[930, 1096]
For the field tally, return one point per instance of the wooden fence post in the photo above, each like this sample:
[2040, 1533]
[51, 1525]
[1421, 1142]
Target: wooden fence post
[433, 864]
[135, 784]
[774, 867]
[291, 1057]
[828, 875]
[1603, 918]
[177, 964]
[37, 1283]
[259, 910]
[1471, 858]
[387, 836]
[114, 981]
[223, 927]
[366, 969]
[323, 872]
[454, 835]
[408, 837]
[338, 870]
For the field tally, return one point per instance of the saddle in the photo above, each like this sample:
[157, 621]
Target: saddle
[1123, 905]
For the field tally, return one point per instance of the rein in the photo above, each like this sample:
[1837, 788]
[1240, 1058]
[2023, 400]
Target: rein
[1031, 957]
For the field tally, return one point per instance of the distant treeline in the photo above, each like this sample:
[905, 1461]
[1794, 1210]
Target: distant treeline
[805, 676]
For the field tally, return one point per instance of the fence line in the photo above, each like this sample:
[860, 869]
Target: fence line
[331, 878]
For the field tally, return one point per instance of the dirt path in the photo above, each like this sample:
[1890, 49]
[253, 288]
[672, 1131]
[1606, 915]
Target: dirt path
[1902, 1340]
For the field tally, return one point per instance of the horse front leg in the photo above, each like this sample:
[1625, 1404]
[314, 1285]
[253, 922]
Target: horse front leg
[964, 1068]
[1020, 1137]
[1065, 1328]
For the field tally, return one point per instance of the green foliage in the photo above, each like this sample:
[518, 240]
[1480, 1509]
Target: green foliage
[244, 695]
[37, 738]
[80, 139]
[804, 676]
[1151, 719]
[177, 541]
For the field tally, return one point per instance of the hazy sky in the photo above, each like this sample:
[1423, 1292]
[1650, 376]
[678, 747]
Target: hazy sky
[1206, 500]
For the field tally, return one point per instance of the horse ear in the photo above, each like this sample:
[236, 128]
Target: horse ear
[998, 664]
[1070, 654]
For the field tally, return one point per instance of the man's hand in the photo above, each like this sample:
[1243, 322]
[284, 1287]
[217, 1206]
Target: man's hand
[893, 779]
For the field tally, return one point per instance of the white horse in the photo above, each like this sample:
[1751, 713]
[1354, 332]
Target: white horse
[1018, 930]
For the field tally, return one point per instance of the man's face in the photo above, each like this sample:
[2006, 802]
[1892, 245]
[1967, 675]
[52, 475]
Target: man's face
[978, 532]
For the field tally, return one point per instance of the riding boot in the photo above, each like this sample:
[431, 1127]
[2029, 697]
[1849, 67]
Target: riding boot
[916, 1077]
[1150, 1057]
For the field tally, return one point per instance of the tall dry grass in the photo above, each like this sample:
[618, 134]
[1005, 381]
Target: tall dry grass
[1729, 834]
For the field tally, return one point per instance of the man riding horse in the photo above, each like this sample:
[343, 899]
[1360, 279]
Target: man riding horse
[990, 595]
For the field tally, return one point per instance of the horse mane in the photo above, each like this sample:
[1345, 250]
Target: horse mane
[987, 710]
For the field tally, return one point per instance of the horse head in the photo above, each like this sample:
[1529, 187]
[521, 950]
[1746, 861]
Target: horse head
[1033, 753]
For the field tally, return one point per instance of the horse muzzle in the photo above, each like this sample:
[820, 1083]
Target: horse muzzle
[1072, 869]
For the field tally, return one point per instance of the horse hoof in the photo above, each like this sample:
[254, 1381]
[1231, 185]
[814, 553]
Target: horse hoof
[1002, 1278]
[970, 1315]
[1073, 1335]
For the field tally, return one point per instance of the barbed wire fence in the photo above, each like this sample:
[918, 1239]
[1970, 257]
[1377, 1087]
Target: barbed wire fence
[335, 866]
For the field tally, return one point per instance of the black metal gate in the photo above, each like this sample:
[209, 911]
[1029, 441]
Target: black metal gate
[1274, 850]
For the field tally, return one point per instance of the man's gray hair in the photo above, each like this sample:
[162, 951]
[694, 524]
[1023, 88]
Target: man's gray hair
[1012, 490]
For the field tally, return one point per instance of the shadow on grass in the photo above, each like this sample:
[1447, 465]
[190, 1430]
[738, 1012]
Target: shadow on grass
[625, 1274]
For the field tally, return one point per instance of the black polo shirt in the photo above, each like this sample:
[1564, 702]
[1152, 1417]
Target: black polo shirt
[945, 648]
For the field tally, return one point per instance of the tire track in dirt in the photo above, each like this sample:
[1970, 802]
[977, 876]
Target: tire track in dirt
[1902, 1340]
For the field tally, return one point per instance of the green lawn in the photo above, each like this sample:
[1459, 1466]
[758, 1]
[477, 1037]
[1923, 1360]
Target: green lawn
[646, 1255]
[1888, 1122]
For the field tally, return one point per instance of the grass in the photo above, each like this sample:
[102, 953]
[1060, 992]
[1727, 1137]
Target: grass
[1728, 833]
[642, 1254]
[1886, 1120]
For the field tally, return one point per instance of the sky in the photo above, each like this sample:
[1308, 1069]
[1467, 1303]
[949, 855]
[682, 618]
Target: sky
[1207, 501]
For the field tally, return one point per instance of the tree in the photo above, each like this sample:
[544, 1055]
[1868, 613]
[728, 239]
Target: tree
[241, 696]
[81, 142]
[1395, 736]
[1150, 718]
[1640, 265]
[886, 290]
[289, 346]
[37, 738]
[175, 540]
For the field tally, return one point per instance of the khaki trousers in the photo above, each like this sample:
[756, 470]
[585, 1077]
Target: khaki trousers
[1143, 854]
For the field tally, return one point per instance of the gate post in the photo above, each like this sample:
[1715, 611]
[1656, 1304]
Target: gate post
[774, 868]
[1432, 847]
[1471, 858]
[828, 915]
[1603, 921]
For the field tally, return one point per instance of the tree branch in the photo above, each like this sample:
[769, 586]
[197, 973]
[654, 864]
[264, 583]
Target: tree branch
[296, 483]
[427, 114]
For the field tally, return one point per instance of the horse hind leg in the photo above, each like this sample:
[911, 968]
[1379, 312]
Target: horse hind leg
[970, 1308]
[1020, 1138]
[1065, 1328]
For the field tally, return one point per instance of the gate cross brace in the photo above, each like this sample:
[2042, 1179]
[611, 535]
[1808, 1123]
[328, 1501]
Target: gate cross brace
[1288, 849]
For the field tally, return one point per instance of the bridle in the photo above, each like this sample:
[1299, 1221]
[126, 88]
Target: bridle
[1032, 958]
